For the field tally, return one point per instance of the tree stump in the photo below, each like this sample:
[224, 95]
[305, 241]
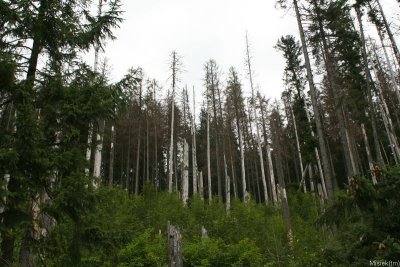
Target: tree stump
[174, 246]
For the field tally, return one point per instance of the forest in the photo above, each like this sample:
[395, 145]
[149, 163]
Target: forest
[133, 173]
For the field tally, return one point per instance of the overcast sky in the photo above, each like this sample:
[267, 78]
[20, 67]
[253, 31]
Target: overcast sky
[199, 31]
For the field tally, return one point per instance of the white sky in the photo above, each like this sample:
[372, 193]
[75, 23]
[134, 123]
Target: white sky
[199, 31]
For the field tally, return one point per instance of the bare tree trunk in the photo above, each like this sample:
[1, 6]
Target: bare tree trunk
[387, 120]
[138, 141]
[185, 173]
[270, 164]
[201, 188]
[155, 165]
[194, 159]
[298, 147]
[335, 92]
[227, 188]
[98, 153]
[214, 86]
[235, 191]
[371, 104]
[260, 152]
[112, 156]
[321, 173]
[389, 32]
[171, 148]
[318, 118]
[242, 167]
[128, 160]
[208, 158]
[368, 150]
[100, 132]
[175, 258]
[89, 148]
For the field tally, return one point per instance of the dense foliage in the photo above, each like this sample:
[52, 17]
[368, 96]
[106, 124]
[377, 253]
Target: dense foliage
[115, 229]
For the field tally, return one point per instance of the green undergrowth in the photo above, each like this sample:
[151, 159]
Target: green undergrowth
[117, 229]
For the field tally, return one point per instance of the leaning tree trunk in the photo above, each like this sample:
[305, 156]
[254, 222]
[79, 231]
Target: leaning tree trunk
[260, 152]
[389, 32]
[335, 92]
[314, 102]
[268, 148]
[371, 104]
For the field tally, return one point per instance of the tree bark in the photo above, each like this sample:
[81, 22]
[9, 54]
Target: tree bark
[260, 152]
[138, 141]
[268, 149]
[171, 148]
[194, 158]
[185, 173]
[208, 158]
[112, 156]
[314, 102]
[99, 135]
[175, 258]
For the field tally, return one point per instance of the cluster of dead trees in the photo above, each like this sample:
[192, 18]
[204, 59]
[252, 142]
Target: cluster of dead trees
[338, 116]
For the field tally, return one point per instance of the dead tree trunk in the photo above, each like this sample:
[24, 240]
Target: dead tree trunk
[208, 158]
[138, 141]
[185, 173]
[112, 156]
[260, 152]
[194, 158]
[175, 258]
[213, 87]
[171, 148]
[389, 32]
[268, 148]
[314, 101]
[99, 135]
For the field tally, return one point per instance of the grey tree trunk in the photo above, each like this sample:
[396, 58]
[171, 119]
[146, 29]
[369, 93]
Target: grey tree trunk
[201, 187]
[368, 150]
[112, 156]
[387, 120]
[389, 32]
[138, 141]
[89, 148]
[155, 165]
[268, 149]
[208, 159]
[334, 90]
[98, 154]
[214, 85]
[171, 148]
[194, 158]
[314, 102]
[321, 173]
[99, 136]
[260, 152]
[242, 166]
[175, 258]
[185, 173]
